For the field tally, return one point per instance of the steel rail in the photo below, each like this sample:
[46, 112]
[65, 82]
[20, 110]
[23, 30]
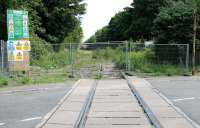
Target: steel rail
[151, 116]
[80, 123]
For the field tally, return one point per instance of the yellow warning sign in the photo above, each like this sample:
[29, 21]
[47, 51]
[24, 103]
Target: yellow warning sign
[19, 46]
[11, 56]
[15, 56]
[19, 56]
[26, 46]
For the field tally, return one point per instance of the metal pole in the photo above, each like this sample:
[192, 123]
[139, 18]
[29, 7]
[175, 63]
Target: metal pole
[194, 42]
[126, 56]
[2, 56]
[129, 57]
[187, 56]
[70, 55]
[71, 60]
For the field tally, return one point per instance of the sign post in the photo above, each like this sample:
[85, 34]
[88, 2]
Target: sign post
[18, 44]
[194, 42]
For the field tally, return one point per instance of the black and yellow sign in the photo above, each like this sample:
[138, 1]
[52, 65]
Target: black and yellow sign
[19, 56]
[26, 46]
[19, 46]
[15, 56]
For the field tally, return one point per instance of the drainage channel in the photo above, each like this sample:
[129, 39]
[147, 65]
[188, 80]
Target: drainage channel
[80, 123]
[150, 115]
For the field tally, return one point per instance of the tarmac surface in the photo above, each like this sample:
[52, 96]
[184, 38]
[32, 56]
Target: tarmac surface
[25, 107]
[183, 92]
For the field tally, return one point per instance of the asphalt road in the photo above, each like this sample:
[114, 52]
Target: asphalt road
[24, 107]
[184, 92]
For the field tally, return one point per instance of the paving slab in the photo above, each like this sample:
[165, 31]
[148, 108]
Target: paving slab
[67, 114]
[114, 106]
[163, 111]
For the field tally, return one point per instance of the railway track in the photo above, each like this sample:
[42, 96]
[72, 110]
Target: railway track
[115, 104]
[112, 104]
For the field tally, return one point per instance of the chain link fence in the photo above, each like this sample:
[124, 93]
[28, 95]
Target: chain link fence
[4, 59]
[92, 60]
[159, 54]
[76, 60]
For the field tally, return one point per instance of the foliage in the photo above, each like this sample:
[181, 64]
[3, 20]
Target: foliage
[3, 81]
[134, 22]
[52, 60]
[166, 21]
[59, 18]
[52, 21]
[141, 62]
[49, 78]
[25, 80]
[75, 36]
[174, 23]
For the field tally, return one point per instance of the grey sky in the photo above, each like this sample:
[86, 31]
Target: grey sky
[99, 13]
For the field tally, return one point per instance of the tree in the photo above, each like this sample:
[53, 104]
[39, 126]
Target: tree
[145, 13]
[134, 22]
[3, 7]
[59, 19]
[174, 25]
[51, 20]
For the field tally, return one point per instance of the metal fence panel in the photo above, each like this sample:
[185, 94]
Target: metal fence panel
[3, 55]
[91, 59]
[159, 54]
[74, 60]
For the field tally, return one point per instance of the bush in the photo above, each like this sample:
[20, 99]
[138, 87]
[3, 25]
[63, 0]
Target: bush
[144, 62]
[53, 60]
[25, 80]
[3, 81]
[108, 54]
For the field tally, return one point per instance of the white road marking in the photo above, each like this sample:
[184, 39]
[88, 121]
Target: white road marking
[183, 99]
[30, 119]
[1, 124]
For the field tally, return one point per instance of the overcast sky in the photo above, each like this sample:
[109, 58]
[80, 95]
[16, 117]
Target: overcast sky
[99, 13]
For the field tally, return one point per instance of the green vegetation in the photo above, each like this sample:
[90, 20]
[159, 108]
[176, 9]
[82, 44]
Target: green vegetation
[52, 60]
[165, 22]
[50, 78]
[53, 21]
[54, 24]
[3, 81]
[141, 62]
[24, 80]
[144, 62]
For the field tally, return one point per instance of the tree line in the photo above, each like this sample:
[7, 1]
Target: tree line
[164, 21]
[52, 21]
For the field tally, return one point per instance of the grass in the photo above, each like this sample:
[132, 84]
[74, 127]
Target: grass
[52, 60]
[55, 67]
[3, 81]
[38, 79]
[142, 62]
[50, 78]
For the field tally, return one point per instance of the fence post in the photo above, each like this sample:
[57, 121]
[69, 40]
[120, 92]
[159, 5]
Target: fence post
[126, 55]
[129, 57]
[71, 60]
[187, 56]
[2, 56]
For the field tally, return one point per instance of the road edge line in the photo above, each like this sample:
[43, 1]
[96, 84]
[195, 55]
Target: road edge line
[50, 114]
